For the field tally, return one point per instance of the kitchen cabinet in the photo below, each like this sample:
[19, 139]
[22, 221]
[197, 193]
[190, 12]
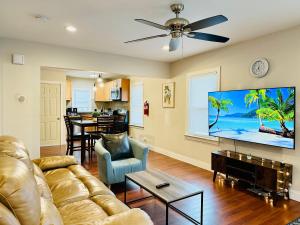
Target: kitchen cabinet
[68, 90]
[103, 94]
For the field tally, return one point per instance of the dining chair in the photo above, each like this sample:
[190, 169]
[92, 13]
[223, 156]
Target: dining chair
[105, 124]
[119, 123]
[73, 136]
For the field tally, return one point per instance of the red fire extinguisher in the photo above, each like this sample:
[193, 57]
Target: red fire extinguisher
[146, 108]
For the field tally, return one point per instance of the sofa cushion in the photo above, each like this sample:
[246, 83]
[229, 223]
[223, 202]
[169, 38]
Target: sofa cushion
[118, 145]
[15, 141]
[38, 172]
[7, 217]
[110, 204]
[49, 213]
[85, 212]
[14, 150]
[58, 175]
[130, 217]
[95, 186]
[54, 162]
[19, 191]
[43, 188]
[79, 171]
[67, 191]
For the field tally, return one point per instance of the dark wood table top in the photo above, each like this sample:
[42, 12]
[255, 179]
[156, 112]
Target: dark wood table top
[177, 190]
[84, 123]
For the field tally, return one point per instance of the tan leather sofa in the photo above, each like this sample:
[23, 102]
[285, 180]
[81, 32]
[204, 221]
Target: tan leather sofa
[55, 191]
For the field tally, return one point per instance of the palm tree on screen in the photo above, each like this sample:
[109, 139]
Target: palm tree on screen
[257, 97]
[220, 105]
[279, 109]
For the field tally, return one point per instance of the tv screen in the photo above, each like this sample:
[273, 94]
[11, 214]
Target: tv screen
[265, 116]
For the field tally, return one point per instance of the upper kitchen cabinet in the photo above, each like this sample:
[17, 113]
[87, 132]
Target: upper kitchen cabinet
[102, 93]
[120, 90]
[68, 90]
[116, 90]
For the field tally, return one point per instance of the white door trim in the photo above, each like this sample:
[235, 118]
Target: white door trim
[62, 107]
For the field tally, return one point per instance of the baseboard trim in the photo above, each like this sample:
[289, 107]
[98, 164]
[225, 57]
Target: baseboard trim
[180, 157]
[294, 194]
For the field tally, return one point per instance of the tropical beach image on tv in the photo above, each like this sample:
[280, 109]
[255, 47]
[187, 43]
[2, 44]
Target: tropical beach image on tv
[265, 116]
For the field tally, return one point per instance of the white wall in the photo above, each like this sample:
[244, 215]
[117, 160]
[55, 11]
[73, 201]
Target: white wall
[23, 120]
[164, 128]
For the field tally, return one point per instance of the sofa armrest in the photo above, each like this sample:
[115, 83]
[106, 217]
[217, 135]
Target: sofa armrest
[140, 151]
[54, 162]
[133, 216]
[104, 162]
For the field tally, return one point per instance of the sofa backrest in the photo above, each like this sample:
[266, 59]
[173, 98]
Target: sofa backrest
[25, 197]
[18, 190]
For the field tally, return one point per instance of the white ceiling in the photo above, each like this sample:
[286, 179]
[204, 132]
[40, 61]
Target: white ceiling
[104, 25]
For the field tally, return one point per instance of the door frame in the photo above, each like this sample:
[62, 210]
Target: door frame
[62, 109]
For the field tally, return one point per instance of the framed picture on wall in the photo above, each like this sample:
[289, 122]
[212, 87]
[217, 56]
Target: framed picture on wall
[168, 95]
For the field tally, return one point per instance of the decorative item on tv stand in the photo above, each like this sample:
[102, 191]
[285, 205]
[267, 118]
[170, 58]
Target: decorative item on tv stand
[266, 177]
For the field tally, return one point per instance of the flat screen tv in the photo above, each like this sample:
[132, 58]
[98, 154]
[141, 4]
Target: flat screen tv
[264, 116]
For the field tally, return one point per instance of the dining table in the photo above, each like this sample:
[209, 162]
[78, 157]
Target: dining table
[83, 124]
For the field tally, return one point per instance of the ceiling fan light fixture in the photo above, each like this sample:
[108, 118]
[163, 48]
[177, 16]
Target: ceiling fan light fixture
[179, 27]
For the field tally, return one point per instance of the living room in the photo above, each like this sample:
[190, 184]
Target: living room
[271, 33]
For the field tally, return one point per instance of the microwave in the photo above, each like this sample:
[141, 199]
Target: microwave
[115, 94]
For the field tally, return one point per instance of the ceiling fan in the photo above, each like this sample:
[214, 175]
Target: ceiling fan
[178, 27]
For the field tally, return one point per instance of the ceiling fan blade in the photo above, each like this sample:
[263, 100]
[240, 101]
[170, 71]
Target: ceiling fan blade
[207, 37]
[208, 22]
[147, 38]
[152, 24]
[174, 44]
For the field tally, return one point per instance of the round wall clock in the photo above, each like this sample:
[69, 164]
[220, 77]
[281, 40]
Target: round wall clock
[259, 68]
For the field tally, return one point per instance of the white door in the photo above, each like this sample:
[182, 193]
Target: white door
[50, 114]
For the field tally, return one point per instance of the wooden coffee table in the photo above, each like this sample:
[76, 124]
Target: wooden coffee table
[178, 190]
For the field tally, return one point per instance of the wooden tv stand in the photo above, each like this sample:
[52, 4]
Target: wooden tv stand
[271, 176]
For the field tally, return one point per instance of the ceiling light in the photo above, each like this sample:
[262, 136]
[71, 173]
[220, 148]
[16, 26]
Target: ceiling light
[100, 79]
[71, 28]
[165, 48]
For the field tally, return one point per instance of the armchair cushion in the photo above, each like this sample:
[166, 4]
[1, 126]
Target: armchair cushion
[118, 146]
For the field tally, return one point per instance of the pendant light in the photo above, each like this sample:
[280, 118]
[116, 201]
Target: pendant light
[100, 79]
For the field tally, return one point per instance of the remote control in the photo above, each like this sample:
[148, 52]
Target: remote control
[159, 186]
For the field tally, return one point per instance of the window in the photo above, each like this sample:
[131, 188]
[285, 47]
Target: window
[136, 104]
[198, 86]
[82, 99]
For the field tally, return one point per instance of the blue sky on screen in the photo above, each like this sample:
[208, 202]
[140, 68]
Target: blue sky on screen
[238, 99]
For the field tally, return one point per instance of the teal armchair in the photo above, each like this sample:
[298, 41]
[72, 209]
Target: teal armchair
[111, 172]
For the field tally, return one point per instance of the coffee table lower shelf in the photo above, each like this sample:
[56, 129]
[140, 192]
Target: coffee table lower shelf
[168, 204]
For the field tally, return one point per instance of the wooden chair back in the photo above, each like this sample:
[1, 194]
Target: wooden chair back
[105, 124]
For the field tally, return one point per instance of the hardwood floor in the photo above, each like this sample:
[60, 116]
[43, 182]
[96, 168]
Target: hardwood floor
[224, 204]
